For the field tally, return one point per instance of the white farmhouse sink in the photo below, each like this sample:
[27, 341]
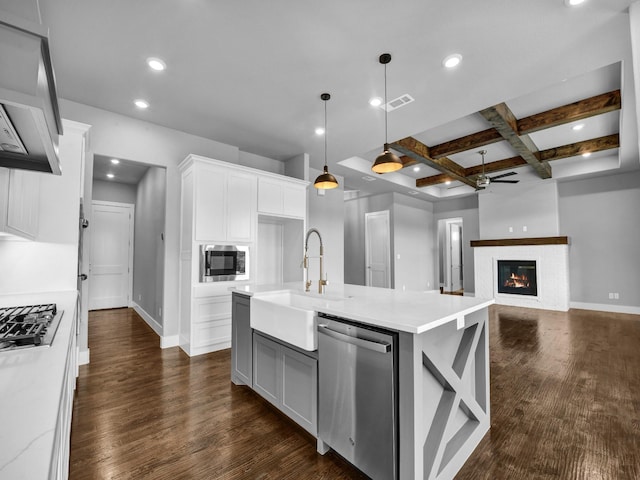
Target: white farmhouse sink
[289, 316]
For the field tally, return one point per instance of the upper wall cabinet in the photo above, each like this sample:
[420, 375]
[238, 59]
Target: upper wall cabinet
[282, 197]
[224, 203]
[19, 202]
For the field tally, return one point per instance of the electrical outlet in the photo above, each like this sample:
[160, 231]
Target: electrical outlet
[510, 229]
[160, 312]
[139, 297]
[616, 296]
[524, 228]
[610, 296]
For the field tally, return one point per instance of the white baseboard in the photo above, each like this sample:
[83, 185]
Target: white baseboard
[165, 341]
[605, 307]
[83, 357]
[169, 341]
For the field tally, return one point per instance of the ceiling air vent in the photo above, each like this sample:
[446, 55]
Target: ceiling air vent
[396, 103]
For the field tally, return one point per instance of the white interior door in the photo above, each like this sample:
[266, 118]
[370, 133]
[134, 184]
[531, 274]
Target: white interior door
[377, 249]
[111, 265]
[455, 235]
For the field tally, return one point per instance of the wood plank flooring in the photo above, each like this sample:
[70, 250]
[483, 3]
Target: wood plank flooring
[565, 404]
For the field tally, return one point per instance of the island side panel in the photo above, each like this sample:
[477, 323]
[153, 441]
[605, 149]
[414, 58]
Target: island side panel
[444, 396]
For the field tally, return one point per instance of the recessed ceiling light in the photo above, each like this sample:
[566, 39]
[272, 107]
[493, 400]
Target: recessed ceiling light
[115, 161]
[448, 182]
[109, 175]
[586, 154]
[451, 61]
[416, 169]
[577, 127]
[142, 104]
[156, 64]
[375, 101]
[320, 131]
[573, 3]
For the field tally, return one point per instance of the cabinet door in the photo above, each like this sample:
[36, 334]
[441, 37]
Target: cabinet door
[210, 205]
[23, 203]
[266, 377]
[270, 196]
[294, 201]
[241, 207]
[300, 389]
[241, 341]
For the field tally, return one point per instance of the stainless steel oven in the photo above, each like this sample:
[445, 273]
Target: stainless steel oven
[224, 263]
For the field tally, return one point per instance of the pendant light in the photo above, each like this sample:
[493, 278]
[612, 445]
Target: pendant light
[325, 181]
[387, 161]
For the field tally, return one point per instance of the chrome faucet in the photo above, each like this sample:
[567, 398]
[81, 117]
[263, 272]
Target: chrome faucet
[305, 262]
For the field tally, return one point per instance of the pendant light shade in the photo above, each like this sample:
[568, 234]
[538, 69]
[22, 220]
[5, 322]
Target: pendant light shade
[387, 161]
[325, 181]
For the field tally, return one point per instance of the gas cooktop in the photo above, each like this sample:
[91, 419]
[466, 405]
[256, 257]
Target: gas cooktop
[28, 326]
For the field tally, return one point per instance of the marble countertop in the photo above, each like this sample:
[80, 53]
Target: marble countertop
[412, 312]
[31, 382]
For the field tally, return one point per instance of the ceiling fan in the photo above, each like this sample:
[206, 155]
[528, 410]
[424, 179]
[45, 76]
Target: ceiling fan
[483, 181]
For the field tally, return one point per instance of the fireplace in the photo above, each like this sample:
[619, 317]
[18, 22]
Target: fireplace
[517, 277]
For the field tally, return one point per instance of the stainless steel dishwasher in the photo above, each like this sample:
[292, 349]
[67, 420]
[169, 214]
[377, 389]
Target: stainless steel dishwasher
[358, 392]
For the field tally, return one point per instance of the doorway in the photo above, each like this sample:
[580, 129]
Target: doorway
[377, 249]
[450, 236]
[111, 265]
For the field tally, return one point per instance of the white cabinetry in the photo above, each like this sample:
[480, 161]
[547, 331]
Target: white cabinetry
[225, 204]
[19, 202]
[219, 205]
[282, 197]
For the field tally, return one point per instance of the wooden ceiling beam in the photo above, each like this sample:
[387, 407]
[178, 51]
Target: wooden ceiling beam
[588, 146]
[417, 150]
[589, 107]
[557, 153]
[504, 121]
[408, 161]
[468, 142]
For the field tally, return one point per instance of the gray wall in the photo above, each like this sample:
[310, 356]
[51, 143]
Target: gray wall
[414, 244]
[114, 192]
[528, 209]
[326, 213]
[600, 216]
[354, 254]
[467, 209]
[413, 238]
[148, 257]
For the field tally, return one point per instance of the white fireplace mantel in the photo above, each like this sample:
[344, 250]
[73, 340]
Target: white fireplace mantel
[552, 265]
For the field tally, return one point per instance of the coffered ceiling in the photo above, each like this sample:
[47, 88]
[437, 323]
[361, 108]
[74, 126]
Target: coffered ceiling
[251, 73]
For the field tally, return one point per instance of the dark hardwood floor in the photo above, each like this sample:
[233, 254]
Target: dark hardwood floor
[565, 404]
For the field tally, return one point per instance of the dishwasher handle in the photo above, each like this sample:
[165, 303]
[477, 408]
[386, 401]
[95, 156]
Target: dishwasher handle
[380, 347]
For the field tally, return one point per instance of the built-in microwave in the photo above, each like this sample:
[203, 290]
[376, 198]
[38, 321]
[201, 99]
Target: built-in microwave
[224, 263]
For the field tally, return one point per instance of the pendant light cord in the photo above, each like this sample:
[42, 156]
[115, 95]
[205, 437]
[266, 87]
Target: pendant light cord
[325, 133]
[386, 140]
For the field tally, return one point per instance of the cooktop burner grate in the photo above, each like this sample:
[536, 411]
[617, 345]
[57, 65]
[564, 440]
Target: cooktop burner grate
[30, 325]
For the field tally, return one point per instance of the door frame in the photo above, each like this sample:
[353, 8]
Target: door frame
[131, 208]
[385, 214]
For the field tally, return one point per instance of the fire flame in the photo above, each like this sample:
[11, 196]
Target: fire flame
[517, 281]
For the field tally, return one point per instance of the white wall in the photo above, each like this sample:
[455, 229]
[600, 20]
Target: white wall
[528, 209]
[114, 192]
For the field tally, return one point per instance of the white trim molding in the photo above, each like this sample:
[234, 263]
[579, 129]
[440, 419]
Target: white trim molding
[605, 307]
[165, 341]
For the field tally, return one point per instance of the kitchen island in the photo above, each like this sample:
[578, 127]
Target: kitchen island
[442, 368]
[37, 396]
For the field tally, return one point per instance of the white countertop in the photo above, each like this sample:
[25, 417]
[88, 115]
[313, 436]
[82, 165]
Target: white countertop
[412, 312]
[31, 383]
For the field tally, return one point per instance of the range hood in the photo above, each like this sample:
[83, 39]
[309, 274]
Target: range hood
[30, 122]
